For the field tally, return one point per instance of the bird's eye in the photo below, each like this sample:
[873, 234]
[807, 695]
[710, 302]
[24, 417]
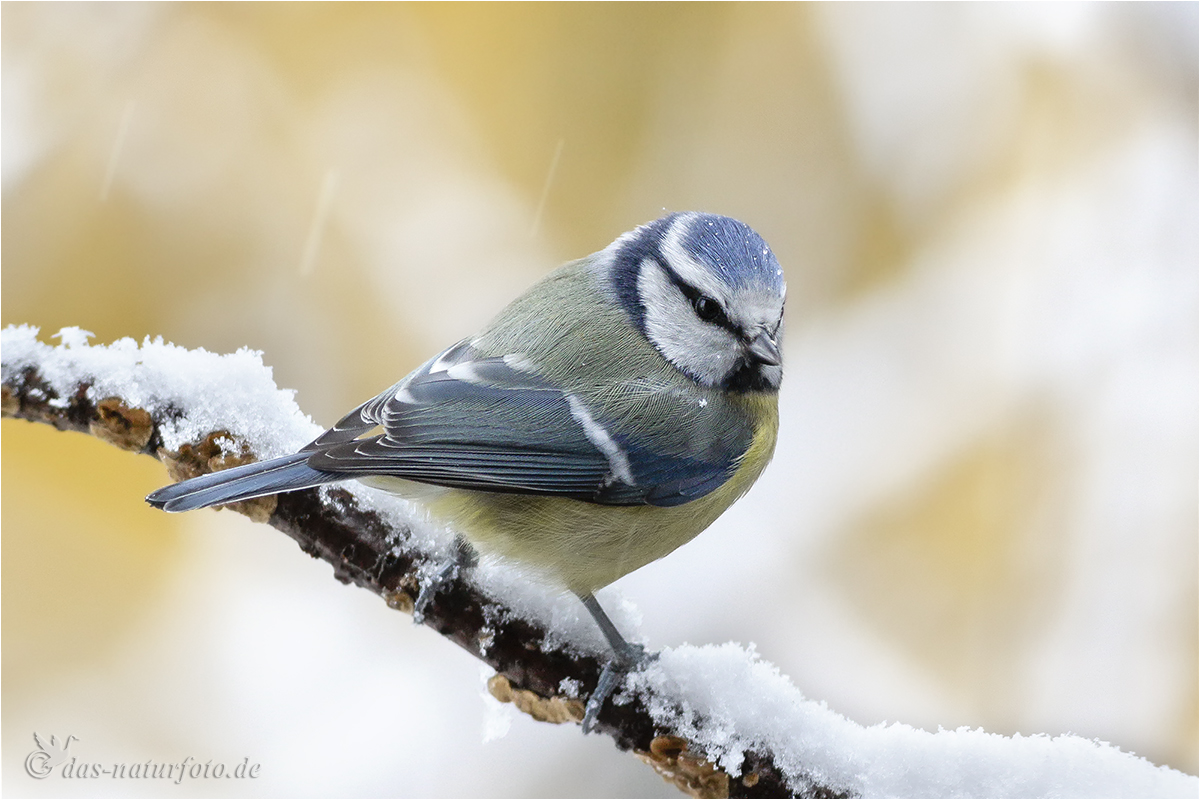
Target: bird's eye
[707, 308]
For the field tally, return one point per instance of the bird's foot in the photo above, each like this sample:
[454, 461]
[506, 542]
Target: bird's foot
[613, 674]
[447, 573]
[462, 557]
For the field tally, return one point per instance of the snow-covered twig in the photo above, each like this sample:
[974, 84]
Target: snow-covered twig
[197, 411]
[718, 721]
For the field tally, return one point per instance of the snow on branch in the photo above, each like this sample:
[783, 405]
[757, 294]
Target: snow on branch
[716, 720]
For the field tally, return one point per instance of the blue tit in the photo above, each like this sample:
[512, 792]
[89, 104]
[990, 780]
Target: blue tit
[603, 419]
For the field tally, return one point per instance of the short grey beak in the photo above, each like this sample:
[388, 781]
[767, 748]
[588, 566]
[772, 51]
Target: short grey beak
[764, 349]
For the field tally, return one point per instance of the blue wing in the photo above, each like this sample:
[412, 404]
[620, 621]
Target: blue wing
[495, 424]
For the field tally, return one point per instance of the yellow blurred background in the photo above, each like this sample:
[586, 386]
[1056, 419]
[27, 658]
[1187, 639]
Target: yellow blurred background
[983, 509]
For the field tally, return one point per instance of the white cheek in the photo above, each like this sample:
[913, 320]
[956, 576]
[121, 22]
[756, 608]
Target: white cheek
[705, 351]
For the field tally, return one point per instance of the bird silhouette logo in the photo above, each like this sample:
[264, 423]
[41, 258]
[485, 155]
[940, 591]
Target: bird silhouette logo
[41, 762]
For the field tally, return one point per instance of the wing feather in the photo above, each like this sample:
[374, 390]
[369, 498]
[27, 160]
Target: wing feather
[495, 424]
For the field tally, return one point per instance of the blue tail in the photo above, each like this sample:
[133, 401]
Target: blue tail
[284, 474]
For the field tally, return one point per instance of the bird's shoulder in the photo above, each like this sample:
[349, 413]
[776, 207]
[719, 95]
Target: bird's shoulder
[570, 328]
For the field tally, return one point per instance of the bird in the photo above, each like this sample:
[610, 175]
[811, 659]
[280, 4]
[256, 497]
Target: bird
[603, 419]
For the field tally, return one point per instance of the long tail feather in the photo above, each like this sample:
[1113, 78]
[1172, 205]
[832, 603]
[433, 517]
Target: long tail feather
[284, 474]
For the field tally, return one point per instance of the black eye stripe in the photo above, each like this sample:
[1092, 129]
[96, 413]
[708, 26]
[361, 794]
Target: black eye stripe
[697, 298]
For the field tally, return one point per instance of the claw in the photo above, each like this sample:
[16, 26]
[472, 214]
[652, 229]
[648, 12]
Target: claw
[611, 676]
[462, 557]
[604, 688]
[447, 573]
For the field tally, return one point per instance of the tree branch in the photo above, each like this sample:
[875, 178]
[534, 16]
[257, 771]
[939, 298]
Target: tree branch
[368, 549]
[745, 733]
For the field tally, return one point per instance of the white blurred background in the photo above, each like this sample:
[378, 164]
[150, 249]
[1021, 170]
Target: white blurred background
[983, 509]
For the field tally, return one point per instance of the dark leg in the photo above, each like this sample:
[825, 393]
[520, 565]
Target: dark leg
[462, 557]
[626, 656]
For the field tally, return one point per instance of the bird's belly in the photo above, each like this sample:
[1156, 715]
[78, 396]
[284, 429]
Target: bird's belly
[584, 545]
